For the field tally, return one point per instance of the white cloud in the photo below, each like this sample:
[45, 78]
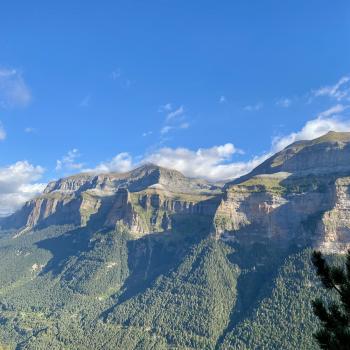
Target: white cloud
[174, 120]
[312, 129]
[147, 133]
[339, 91]
[13, 90]
[2, 132]
[165, 108]
[175, 114]
[122, 162]
[284, 102]
[165, 129]
[68, 162]
[210, 163]
[29, 130]
[216, 163]
[333, 110]
[253, 108]
[18, 183]
[184, 125]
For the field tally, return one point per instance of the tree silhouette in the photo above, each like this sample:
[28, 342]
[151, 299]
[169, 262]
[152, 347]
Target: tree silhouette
[334, 316]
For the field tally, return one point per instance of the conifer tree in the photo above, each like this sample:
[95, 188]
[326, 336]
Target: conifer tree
[334, 316]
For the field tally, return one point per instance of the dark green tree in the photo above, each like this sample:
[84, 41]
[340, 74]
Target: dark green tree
[334, 315]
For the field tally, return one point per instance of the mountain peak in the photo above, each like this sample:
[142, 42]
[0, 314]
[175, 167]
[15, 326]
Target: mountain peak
[151, 167]
[334, 136]
[329, 153]
[329, 137]
[76, 195]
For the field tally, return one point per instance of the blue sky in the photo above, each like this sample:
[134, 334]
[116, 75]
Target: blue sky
[208, 87]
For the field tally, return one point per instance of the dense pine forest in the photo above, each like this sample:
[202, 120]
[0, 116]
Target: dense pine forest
[181, 291]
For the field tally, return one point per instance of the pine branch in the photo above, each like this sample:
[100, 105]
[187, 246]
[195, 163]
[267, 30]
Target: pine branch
[324, 271]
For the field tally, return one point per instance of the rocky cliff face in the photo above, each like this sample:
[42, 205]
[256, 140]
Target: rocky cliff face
[273, 207]
[142, 201]
[333, 230]
[299, 196]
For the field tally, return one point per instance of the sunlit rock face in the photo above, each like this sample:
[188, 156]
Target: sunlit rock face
[333, 231]
[298, 196]
[142, 201]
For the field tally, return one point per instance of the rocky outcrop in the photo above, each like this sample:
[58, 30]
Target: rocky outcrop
[142, 201]
[254, 212]
[153, 210]
[333, 231]
[301, 195]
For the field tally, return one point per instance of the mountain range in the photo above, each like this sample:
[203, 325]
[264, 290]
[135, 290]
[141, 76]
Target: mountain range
[151, 259]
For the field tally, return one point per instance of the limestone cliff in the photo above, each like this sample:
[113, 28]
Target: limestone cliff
[300, 196]
[142, 201]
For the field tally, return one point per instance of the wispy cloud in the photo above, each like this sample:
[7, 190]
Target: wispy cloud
[184, 125]
[284, 102]
[2, 132]
[165, 108]
[254, 108]
[14, 92]
[165, 129]
[69, 161]
[339, 91]
[118, 75]
[175, 114]
[147, 133]
[222, 99]
[29, 130]
[339, 108]
[175, 118]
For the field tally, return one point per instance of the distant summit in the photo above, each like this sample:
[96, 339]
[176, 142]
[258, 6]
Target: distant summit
[115, 198]
[329, 153]
[135, 180]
